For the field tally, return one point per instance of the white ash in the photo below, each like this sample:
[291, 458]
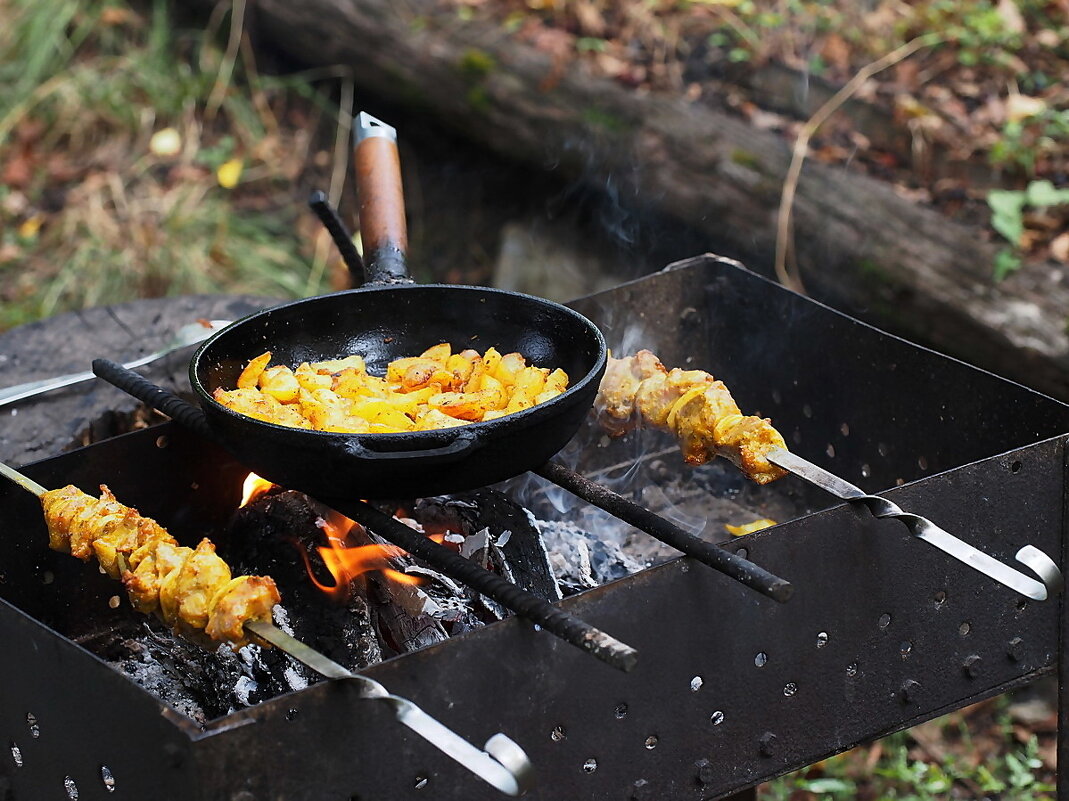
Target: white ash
[244, 688]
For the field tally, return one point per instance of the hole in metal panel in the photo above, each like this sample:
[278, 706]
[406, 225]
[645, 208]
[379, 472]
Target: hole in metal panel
[696, 684]
[922, 463]
[822, 639]
[31, 721]
[807, 410]
[114, 601]
[291, 713]
[845, 429]
[72, 788]
[797, 437]
[620, 712]
[557, 734]
[48, 577]
[905, 648]
[107, 778]
[882, 449]
[716, 718]
[760, 659]
[965, 628]
[884, 621]
[1022, 604]
[742, 553]
[866, 471]
[162, 441]
[851, 669]
[790, 689]
[590, 765]
[16, 755]
[1015, 467]
[939, 598]
[420, 782]
[830, 450]
[651, 742]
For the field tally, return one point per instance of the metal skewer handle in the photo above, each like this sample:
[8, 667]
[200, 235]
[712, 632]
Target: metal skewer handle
[1050, 583]
[500, 763]
[187, 335]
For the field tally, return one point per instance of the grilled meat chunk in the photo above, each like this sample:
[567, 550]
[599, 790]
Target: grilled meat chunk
[638, 391]
[192, 590]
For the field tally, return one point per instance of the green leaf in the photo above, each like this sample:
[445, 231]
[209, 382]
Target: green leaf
[1006, 218]
[829, 785]
[1043, 193]
[1006, 262]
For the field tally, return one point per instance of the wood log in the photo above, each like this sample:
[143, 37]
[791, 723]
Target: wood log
[859, 245]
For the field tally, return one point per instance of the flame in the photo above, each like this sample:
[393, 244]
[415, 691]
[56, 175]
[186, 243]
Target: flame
[252, 488]
[347, 563]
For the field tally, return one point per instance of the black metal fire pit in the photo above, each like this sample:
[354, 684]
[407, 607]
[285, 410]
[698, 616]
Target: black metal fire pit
[882, 631]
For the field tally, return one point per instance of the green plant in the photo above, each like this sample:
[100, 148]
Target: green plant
[88, 83]
[1007, 217]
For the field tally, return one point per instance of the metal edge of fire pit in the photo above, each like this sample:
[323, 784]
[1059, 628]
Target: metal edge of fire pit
[591, 733]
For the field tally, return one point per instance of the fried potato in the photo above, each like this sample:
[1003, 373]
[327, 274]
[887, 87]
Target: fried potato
[437, 389]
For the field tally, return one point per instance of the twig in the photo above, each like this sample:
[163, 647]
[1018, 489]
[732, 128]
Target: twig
[801, 148]
[226, 68]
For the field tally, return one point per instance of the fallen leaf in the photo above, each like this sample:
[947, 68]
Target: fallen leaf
[29, 228]
[836, 52]
[165, 142]
[229, 173]
[1020, 107]
[1059, 248]
[1011, 16]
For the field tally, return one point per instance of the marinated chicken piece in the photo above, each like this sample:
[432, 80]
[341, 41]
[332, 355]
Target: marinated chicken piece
[237, 602]
[189, 588]
[186, 592]
[638, 391]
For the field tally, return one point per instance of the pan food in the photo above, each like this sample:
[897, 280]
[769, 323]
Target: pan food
[191, 589]
[639, 391]
[387, 319]
[437, 389]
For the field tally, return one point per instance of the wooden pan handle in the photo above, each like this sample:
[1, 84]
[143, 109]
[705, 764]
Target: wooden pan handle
[383, 228]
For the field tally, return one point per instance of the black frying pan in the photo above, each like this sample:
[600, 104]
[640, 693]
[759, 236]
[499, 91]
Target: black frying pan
[389, 318]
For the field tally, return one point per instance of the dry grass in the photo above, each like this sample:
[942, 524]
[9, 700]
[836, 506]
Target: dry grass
[94, 210]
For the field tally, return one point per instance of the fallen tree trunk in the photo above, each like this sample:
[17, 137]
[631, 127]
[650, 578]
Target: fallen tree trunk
[859, 245]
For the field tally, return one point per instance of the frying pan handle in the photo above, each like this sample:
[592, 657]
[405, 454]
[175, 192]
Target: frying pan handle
[383, 228]
[463, 443]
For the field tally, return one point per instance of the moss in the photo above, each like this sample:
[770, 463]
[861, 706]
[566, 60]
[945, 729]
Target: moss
[605, 120]
[475, 65]
[744, 158]
[478, 98]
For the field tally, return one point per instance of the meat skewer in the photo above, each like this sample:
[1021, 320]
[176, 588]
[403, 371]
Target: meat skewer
[199, 598]
[640, 392]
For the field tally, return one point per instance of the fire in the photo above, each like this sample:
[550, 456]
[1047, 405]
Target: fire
[347, 563]
[253, 488]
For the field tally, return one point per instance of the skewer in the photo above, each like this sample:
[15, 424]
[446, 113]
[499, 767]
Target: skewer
[501, 762]
[733, 565]
[920, 527]
[553, 619]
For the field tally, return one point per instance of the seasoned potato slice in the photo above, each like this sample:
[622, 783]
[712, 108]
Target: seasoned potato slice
[437, 389]
[250, 376]
[280, 383]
